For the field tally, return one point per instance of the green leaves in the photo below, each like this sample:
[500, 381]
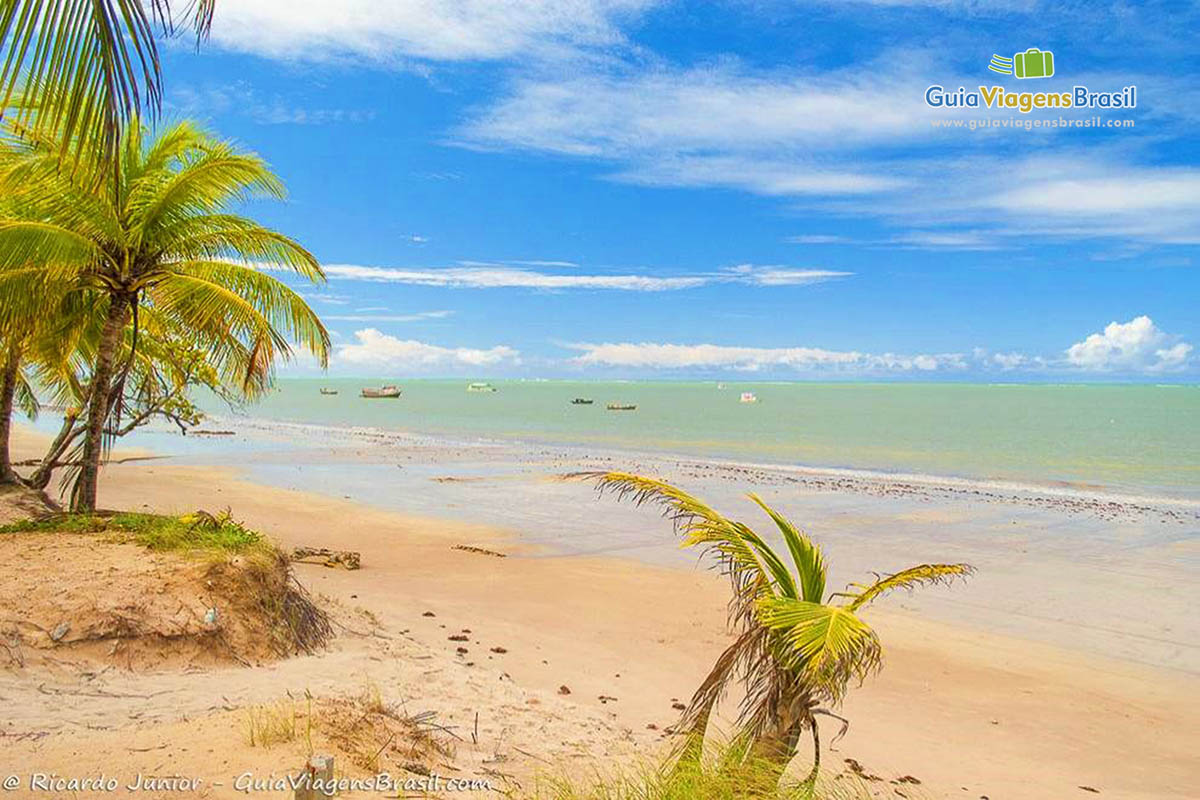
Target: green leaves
[86, 68]
[161, 229]
[828, 645]
[806, 556]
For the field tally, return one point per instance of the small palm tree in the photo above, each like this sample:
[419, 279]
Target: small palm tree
[153, 248]
[796, 648]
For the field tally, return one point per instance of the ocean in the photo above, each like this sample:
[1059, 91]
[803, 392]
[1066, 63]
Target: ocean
[1130, 439]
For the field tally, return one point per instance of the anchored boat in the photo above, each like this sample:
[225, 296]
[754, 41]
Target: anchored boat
[581, 401]
[382, 391]
[621, 407]
[749, 397]
[328, 391]
[480, 387]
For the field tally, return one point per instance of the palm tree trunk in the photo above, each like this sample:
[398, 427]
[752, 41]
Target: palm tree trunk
[83, 497]
[8, 390]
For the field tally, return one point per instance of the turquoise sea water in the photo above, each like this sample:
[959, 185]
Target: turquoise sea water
[1141, 439]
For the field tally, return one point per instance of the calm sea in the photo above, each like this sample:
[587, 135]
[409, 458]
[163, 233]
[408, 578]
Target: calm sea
[1140, 439]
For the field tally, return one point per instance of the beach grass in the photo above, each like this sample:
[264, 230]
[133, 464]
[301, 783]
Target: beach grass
[751, 779]
[218, 535]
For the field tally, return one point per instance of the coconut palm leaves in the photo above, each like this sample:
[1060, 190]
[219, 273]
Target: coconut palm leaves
[89, 66]
[159, 252]
[795, 648]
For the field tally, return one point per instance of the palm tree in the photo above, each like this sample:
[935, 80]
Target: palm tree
[156, 239]
[796, 648]
[88, 66]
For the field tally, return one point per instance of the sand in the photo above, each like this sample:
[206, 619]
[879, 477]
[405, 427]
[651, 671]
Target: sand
[971, 713]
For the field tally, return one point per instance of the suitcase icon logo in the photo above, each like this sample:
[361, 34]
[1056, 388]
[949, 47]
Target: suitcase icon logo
[1033, 63]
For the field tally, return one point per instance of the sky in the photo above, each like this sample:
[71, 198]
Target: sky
[747, 189]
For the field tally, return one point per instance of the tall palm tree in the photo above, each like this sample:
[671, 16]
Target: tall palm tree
[796, 647]
[88, 66]
[157, 238]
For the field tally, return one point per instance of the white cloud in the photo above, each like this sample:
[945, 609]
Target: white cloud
[709, 109]
[855, 140]
[242, 99]
[778, 275]
[946, 240]
[649, 355]
[1010, 360]
[388, 31]
[1088, 196]
[375, 349]
[506, 277]
[368, 317]
[501, 277]
[1138, 345]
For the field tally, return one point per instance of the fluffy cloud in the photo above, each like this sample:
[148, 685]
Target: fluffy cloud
[375, 349]
[1138, 345]
[647, 355]
[387, 32]
[504, 277]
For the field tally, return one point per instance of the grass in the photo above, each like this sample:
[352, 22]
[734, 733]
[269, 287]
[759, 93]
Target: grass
[717, 779]
[271, 724]
[218, 534]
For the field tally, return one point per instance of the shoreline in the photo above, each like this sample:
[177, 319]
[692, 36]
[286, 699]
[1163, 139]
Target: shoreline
[1071, 496]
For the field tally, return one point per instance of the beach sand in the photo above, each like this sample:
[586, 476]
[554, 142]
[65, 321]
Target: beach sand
[968, 711]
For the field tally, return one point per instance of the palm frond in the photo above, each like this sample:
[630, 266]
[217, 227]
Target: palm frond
[827, 645]
[752, 567]
[907, 579]
[86, 67]
[806, 555]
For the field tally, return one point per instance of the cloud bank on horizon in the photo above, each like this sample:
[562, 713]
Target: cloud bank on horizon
[1134, 347]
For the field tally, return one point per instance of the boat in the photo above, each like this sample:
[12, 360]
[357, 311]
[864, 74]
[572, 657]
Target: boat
[720, 386]
[621, 407]
[581, 401]
[749, 397]
[328, 391]
[382, 391]
[480, 387]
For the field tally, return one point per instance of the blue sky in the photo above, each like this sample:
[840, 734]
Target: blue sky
[751, 189]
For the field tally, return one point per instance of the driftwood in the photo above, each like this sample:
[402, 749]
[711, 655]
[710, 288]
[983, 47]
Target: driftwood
[346, 559]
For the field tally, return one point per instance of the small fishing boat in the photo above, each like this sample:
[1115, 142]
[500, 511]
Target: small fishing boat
[382, 391]
[581, 401]
[328, 391]
[480, 387]
[621, 407]
[749, 397]
[720, 386]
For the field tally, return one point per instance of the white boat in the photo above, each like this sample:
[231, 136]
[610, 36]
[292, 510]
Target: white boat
[480, 387]
[749, 397]
[382, 391]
